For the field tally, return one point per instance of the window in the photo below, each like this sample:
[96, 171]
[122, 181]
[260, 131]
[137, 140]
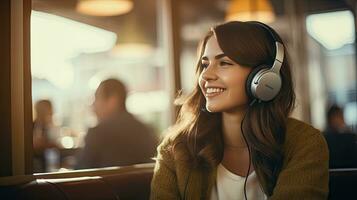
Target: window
[72, 52]
[332, 65]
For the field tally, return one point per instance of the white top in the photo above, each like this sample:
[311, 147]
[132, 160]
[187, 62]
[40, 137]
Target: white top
[230, 186]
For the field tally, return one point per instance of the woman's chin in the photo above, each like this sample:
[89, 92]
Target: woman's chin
[212, 109]
[229, 109]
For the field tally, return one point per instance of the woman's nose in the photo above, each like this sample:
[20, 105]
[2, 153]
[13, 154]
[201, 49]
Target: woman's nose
[209, 73]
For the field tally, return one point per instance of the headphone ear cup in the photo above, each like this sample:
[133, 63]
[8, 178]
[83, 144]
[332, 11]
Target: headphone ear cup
[250, 78]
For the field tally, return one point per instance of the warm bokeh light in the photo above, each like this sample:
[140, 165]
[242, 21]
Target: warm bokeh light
[67, 142]
[132, 50]
[250, 10]
[104, 7]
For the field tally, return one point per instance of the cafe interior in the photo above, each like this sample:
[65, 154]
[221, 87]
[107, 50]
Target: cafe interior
[55, 55]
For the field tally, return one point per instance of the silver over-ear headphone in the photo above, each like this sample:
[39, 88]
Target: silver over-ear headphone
[264, 82]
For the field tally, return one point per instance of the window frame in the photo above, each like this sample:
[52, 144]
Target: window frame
[17, 164]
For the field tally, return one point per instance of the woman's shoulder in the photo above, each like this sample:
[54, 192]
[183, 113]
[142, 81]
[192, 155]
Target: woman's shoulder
[304, 173]
[300, 135]
[298, 129]
[164, 149]
[173, 152]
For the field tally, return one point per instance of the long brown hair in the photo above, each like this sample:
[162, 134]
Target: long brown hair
[196, 138]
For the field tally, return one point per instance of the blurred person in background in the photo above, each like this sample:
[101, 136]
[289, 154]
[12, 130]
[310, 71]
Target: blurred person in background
[45, 136]
[119, 138]
[342, 142]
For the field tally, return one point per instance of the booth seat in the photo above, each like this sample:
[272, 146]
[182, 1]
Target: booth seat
[343, 184]
[134, 183]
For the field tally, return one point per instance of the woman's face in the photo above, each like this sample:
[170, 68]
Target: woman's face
[222, 81]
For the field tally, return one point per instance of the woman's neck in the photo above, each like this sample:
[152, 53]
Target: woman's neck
[232, 134]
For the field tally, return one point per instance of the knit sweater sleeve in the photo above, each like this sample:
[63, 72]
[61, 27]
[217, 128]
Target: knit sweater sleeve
[164, 181]
[305, 172]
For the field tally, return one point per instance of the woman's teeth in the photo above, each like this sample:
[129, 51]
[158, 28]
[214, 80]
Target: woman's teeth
[212, 91]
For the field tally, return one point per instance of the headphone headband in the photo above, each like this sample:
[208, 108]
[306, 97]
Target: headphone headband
[264, 82]
[266, 28]
[279, 47]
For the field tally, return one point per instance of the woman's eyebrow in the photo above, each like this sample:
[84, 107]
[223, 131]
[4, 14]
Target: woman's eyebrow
[220, 56]
[216, 57]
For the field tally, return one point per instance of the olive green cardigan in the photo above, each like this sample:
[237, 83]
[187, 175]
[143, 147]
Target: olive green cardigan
[304, 174]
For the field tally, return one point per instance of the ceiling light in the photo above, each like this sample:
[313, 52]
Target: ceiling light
[250, 10]
[104, 7]
[333, 29]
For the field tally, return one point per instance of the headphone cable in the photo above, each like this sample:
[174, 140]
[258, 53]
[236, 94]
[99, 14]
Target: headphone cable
[245, 139]
[241, 128]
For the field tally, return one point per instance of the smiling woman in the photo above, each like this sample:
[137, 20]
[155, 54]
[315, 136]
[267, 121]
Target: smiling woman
[238, 116]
